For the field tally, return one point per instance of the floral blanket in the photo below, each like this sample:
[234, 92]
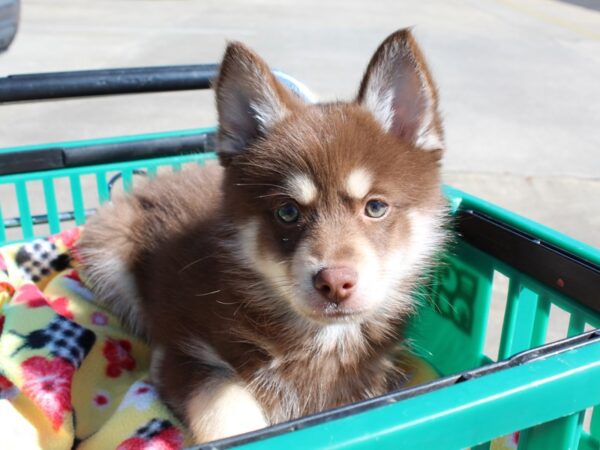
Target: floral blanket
[70, 376]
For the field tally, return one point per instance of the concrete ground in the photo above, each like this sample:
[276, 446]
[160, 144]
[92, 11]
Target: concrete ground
[519, 80]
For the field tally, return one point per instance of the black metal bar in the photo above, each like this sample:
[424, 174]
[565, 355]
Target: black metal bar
[552, 266]
[45, 86]
[86, 155]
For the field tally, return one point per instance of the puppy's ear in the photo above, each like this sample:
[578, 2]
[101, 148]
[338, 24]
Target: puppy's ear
[399, 91]
[250, 100]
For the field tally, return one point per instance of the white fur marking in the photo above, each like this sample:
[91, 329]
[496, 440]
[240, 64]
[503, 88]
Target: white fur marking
[302, 189]
[274, 272]
[359, 183]
[335, 335]
[217, 411]
[158, 355]
[426, 236]
[267, 114]
[114, 283]
[204, 352]
[380, 102]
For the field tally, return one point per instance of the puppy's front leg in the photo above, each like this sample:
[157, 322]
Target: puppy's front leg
[206, 391]
[220, 408]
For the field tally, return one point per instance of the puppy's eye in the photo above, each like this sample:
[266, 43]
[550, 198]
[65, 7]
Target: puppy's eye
[376, 209]
[288, 213]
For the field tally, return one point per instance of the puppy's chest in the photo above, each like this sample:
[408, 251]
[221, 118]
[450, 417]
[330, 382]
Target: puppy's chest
[295, 385]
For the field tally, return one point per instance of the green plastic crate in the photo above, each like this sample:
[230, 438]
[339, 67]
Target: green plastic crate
[543, 393]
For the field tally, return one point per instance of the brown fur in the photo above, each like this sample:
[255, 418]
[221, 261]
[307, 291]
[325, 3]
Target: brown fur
[196, 296]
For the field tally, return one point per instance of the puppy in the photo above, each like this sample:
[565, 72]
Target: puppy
[275, 284]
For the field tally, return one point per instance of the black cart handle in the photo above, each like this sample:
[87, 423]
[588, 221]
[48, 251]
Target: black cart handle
[87, 83]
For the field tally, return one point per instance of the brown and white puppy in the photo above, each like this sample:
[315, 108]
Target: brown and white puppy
[274, 285]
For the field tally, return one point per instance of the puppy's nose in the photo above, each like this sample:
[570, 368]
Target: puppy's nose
[336, 283]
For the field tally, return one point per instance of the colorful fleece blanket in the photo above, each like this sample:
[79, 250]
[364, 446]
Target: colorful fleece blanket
[70, 375]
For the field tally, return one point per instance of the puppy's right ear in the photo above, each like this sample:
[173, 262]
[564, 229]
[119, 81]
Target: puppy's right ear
[250, 100]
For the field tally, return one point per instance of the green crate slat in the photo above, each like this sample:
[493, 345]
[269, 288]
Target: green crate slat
[509, 323]
[526, 301]
[588, 443]
[595, 424]
[102, 186]
[558, 434]
[579, 430]
[127, 175]
[24, 210]
[521, 309]
[51, 207]
[77, 198]
[540, 322]
[576, 324]
[2, 227]
[152, 171]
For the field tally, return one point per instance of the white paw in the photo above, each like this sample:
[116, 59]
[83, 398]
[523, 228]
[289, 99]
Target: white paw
[222, 411]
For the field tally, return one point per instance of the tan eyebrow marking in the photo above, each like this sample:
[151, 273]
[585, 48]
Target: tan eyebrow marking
[358, 183]
[302, 189]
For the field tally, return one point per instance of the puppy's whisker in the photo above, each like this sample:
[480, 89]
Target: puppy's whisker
[226, 303]
[187, 266]
[275, 194]
[208, 293]
[260, 185]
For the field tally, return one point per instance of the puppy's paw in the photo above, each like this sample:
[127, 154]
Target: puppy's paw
[223, 410]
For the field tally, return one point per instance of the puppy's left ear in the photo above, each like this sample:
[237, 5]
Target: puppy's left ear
[399, 91]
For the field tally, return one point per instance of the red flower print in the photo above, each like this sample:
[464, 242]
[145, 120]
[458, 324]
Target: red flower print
[118, 354]
[73, 275]
[7, 287]
[61, 306]
[515, 438]
[68, 237]
[48, 384]
[75, 285]
[171, 438]
[7, 389]
[101, 400]
[2, 318]
[31, 295]
[133, 443]
[4, 383]
[168, 439]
